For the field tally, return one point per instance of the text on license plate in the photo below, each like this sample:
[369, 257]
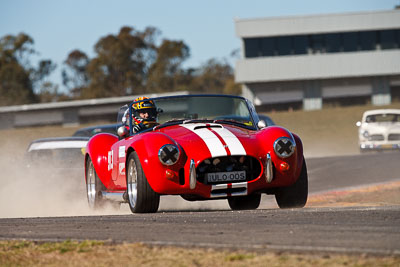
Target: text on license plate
[386, 146]
[226, 176]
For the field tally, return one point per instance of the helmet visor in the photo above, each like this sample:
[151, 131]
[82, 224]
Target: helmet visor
[146, 114]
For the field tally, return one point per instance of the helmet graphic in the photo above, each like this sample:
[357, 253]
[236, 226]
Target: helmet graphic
[144, 111]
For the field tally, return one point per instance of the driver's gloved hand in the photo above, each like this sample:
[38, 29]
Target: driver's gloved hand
[138, 127]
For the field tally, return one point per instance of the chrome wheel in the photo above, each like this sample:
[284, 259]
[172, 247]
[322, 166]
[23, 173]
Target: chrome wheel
[141, 197]
[91, 185]
[132, 183]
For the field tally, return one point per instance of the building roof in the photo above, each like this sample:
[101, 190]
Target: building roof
[314, 24]
[85, 102]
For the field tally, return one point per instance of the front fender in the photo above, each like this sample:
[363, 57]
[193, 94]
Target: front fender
[300, 154]
[267, 138]
[147, 147]
[97, 149]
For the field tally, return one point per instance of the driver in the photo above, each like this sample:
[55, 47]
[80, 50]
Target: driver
[144, 114]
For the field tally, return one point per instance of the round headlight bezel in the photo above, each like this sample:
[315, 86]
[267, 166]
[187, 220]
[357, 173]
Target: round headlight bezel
[365, 134]
[287, 144]
[165, 157]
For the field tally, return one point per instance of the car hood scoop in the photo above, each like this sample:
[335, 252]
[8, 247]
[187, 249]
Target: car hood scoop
[198, 127]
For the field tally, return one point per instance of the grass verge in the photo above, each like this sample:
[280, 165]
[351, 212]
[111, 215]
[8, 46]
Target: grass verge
[387, 194]
[93, 253]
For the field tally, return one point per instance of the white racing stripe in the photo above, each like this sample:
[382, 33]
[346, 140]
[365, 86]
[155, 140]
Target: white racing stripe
[231, 140]
[213, 143]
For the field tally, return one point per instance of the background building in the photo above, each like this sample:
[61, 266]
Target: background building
[311, 61]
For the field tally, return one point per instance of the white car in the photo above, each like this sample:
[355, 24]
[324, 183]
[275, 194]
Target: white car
[379, 130]
[57, 156]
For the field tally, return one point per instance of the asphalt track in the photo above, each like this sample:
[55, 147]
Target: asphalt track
[370, 230]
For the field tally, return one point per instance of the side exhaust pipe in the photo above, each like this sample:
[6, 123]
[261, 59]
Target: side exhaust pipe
[114, 196]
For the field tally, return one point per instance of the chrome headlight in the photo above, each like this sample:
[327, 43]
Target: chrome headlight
[284, 147]
[365, 134]
[168, 154]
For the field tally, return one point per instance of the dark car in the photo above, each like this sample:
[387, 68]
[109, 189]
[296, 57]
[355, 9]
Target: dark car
[268, 121]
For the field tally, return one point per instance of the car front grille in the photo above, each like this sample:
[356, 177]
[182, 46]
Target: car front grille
[248, 164]
[394, 137]
[376, 137]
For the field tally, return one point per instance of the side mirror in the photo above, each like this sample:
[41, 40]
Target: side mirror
[358, 124]
[122, 131]
[261, 124]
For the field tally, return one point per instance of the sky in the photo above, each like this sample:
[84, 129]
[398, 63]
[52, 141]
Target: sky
[206, 26]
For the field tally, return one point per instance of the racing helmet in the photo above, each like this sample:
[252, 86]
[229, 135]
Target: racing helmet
[144, 105]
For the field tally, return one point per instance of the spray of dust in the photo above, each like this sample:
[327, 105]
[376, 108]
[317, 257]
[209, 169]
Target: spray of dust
[38, 191]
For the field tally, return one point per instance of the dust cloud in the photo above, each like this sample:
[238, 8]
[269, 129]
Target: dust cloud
[40, 191]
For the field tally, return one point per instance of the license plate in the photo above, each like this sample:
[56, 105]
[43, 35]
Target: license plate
[386, 146]
[226, 176]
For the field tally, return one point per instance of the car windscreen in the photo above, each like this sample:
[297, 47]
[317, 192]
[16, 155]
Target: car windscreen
[376, 118]
[83, 132]
[204, 108]
[56, 158]
[88, 132]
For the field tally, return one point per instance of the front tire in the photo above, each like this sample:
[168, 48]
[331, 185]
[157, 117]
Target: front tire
[250, 202]
[294, 196]
[141, 197]
[93, 187]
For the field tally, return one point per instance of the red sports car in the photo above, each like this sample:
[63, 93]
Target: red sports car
[200, 147]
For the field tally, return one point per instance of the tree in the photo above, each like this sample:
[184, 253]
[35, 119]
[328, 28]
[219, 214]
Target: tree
[15, 83]
[215, 77]
[165, 75]
[45, 90]
[131, 62]
[49, 93]
[18, 79]
[74, 75]
[120, 65]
